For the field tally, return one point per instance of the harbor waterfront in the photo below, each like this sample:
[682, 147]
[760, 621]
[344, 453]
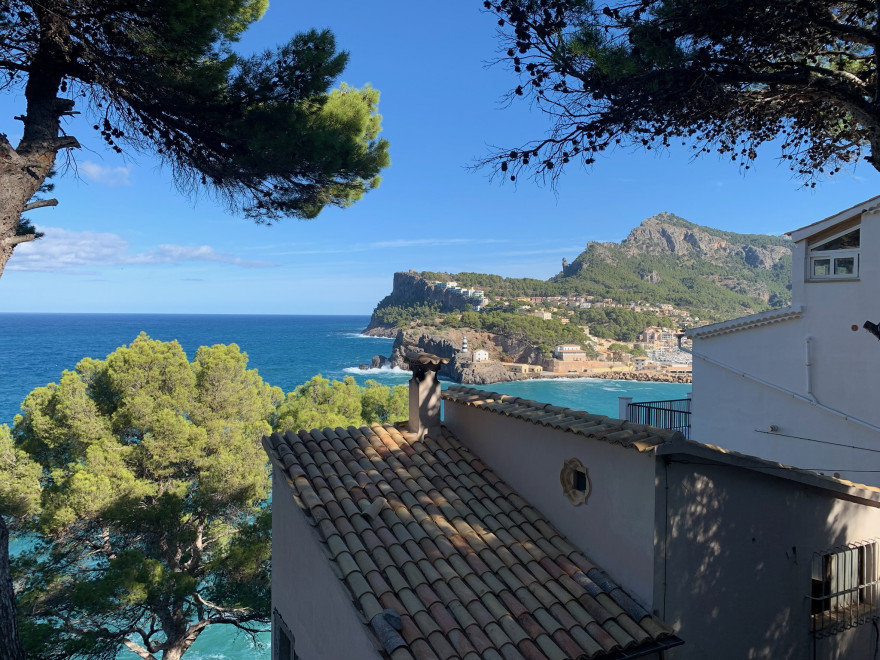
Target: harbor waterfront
[287, 351]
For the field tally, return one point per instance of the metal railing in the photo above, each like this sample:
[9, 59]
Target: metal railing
[844, 590]
[674, 414]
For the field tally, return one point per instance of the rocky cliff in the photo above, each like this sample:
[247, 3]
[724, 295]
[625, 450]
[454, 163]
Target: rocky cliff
[713, 274]
[665, 233]
[461, 367]
[410, 289]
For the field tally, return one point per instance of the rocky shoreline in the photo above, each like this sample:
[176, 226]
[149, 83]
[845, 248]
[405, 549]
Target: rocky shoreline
[462, 369]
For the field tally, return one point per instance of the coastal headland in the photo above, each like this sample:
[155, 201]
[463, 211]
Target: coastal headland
[464, 368]
[617, 311]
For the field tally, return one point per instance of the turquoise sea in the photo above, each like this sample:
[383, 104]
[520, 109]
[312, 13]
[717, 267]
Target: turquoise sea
[287, 351]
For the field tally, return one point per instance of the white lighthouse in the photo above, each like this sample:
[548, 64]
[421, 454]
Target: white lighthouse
[464, 348]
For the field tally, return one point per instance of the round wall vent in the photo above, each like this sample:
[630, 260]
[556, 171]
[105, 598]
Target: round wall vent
[575, 481]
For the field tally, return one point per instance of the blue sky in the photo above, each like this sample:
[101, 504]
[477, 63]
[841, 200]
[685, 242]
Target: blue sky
[124, 240]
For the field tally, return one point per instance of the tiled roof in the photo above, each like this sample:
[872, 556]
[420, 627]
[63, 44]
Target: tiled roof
[424, 529]
[600, 427]
[746, 322]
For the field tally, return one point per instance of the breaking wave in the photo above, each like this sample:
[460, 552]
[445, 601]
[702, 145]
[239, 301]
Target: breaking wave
[380, 371]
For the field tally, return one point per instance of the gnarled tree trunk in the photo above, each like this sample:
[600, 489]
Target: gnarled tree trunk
[9, 640]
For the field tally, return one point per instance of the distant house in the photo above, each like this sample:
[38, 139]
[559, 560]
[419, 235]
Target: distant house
[570, 353]
[640, 363]
[523, 368]
[481, 355]
[542, 315]
[799, 385]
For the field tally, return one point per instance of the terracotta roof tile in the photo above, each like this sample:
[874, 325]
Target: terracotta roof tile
[510, 652]
[474, 571]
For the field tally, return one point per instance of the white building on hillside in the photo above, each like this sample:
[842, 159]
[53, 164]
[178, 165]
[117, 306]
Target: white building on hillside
[481, 355]
[569, 353]
[799, 385]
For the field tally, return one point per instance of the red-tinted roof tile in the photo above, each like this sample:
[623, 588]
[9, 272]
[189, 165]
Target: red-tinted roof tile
[474, 571]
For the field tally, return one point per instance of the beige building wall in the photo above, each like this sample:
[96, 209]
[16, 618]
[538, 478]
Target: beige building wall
[614, 528]
[311, 599]
[734, 559]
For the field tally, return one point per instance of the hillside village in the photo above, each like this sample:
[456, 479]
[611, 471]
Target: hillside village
[655, 351]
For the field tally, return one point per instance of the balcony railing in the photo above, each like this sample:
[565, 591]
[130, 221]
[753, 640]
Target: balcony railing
[674, 415]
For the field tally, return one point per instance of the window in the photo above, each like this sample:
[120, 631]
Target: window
[844, 590]
[282, 639]
[836, 257]
[575, 481]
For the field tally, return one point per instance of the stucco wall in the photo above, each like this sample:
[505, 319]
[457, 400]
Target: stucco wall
[306, 592]
[614, 527]
[731, 411]
[737, 565]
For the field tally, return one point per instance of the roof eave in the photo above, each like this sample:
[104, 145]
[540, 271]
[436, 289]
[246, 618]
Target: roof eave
[863, 207]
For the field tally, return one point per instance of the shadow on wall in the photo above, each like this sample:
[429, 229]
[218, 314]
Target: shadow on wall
[738, 567]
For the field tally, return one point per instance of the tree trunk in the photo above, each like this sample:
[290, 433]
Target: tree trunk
[9, 640]
[20, 178]
[175, 648]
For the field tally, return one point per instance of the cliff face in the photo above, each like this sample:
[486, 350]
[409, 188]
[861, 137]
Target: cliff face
[667, 234]
[460, 368]
[410, 289]
[667, 259]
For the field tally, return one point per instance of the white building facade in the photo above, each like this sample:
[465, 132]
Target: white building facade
[798, 385]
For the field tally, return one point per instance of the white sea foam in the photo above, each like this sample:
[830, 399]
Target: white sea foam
[358, 335]
[380, 371]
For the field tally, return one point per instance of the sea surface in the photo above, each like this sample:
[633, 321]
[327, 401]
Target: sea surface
[287, 351]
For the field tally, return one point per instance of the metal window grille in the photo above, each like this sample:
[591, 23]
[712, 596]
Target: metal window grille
[845, 587]
[674, 415]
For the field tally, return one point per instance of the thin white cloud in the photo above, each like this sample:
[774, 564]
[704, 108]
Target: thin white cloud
[64, 250]
[109, 176]
[385, 245]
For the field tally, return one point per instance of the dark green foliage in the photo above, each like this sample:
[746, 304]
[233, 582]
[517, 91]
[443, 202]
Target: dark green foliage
[267, 133]
[152, 511]
[618, 323]
[727, 75]
[395, 316]
[322, 403]
[548, 332]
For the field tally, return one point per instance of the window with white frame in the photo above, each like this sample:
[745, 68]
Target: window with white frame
[836, 257]
[844, 587]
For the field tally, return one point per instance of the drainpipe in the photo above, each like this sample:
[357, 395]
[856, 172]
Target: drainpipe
[808, 343]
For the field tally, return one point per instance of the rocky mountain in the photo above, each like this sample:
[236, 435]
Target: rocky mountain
[666, 233]
[714, 274]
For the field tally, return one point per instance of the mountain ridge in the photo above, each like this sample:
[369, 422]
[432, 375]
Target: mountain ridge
[711, 274]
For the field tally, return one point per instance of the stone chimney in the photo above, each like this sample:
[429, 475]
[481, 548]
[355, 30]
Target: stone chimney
[424, 393]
